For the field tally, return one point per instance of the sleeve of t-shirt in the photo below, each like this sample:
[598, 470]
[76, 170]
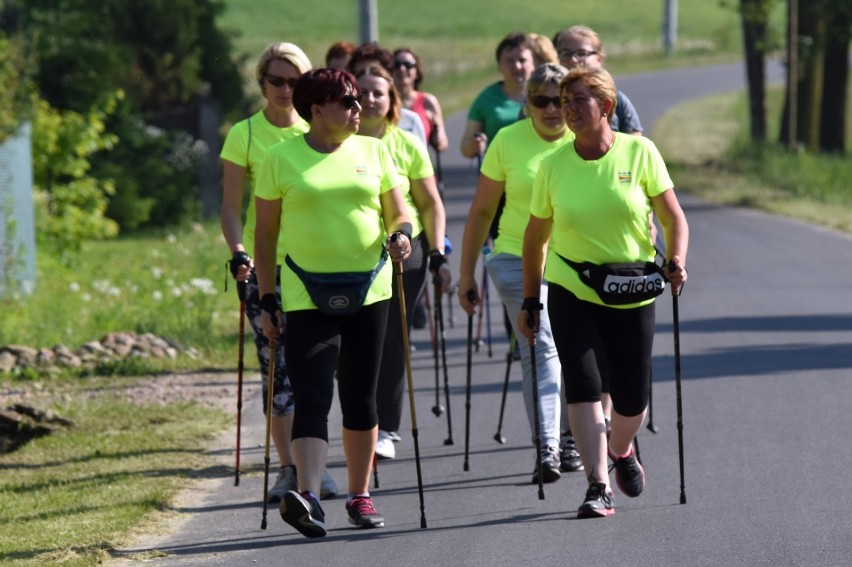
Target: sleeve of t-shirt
[421, 163]
[492, 162]
[628, 118]
[477, 112]
[390, 178]
[656, 176]
[235, 149]
[267, 174]
[540, 203]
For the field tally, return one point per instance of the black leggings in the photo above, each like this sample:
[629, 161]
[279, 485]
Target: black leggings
[392, 372]
[316, 345]
[596, 344]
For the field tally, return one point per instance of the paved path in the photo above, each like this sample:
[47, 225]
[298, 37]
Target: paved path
[766, 340]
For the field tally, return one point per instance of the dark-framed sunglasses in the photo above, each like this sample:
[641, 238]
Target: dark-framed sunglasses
[407, 65]
[541, 101]
[350, 101]
[276, 81]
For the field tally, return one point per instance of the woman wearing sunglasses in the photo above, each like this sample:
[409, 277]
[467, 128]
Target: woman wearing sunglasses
[330, 203]
[407, 78]
[379, 118]
[509, 168]
[245, 147]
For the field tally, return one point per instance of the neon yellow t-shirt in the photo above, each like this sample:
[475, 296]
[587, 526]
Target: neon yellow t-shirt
[599, 208]
[412, 161]
[331, 215]
[237, 150]
[513, 157]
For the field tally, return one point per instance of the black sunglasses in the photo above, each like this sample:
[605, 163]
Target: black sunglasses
[408, 65]
[541, 101]
[280, 81]
[349, 101]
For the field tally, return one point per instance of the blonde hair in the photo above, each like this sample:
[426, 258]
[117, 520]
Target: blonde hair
[599, 81]
[289, 52]
[542, 49]
[586, 32]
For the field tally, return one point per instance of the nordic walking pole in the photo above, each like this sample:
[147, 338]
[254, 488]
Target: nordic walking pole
[509, 356]
[241, 293]
[375, 471]
[437, 409]
[471, 296]
[487, 311]
[270, 394]
[651, 427]
[408, 373]
[534, 376]
[439, 315]
[483, 294]
[676, 327]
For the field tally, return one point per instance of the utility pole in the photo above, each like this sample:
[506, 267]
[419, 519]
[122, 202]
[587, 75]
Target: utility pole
[368, 18]
[670, 26]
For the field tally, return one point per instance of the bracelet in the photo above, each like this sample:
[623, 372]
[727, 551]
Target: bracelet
[531, 304]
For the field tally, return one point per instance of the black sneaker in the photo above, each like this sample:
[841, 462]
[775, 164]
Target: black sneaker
[303, 512]
[362, 514]
[598, 502]
[549, 466]
[629, 474]
[569, 457]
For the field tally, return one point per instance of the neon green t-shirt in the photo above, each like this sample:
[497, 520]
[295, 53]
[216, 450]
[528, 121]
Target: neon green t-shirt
[238, 150]
[599, 208]
[331, 214]
[412, 161]
[513, 157]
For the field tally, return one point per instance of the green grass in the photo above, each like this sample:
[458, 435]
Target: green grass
[169, 283]
[722, 165]
[70, 497]
[456, 40]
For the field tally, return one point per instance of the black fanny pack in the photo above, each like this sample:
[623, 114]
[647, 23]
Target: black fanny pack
[619, 284]
[338, 293]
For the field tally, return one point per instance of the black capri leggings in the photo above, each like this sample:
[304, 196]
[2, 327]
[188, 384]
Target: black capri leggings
[596, 344]
[316, 345]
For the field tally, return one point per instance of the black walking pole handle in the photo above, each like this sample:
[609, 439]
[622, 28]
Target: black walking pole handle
[242, 290]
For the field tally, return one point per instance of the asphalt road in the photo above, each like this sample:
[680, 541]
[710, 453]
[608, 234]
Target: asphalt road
[766, 344]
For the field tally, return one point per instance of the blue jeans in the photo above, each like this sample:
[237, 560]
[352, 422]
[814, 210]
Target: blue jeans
[506, 273]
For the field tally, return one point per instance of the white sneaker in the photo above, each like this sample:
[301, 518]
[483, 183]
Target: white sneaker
[328, 488]
[394, 436]
[384, 446]
[285, 482]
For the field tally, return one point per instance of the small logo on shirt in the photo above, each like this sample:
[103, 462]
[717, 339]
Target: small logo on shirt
[360, 170]
[625, 176]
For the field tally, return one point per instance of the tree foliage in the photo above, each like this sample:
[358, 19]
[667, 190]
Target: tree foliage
[70, 203]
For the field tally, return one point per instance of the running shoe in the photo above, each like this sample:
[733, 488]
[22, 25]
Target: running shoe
[549, 466]
[362, 514]
[284, 483]
[629, 474]
[384, 446]
[328, 488]
[569, 457]
[598, 502]
[303, 512]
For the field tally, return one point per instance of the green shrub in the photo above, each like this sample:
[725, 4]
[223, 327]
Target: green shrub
[69, 202]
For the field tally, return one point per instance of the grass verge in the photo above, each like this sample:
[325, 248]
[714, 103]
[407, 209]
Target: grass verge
[68, 498]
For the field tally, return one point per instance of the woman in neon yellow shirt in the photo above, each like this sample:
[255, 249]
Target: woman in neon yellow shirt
[381, 105]
[508, 170]
[334, 199]
[245, 147]
[591, 200]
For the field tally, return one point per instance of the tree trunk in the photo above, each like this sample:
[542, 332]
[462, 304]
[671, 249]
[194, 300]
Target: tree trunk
[812, 28]
[754, 23]
[833, 120]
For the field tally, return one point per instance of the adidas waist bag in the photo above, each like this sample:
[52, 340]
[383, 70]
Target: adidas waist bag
[338, 293]
[619, 284]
